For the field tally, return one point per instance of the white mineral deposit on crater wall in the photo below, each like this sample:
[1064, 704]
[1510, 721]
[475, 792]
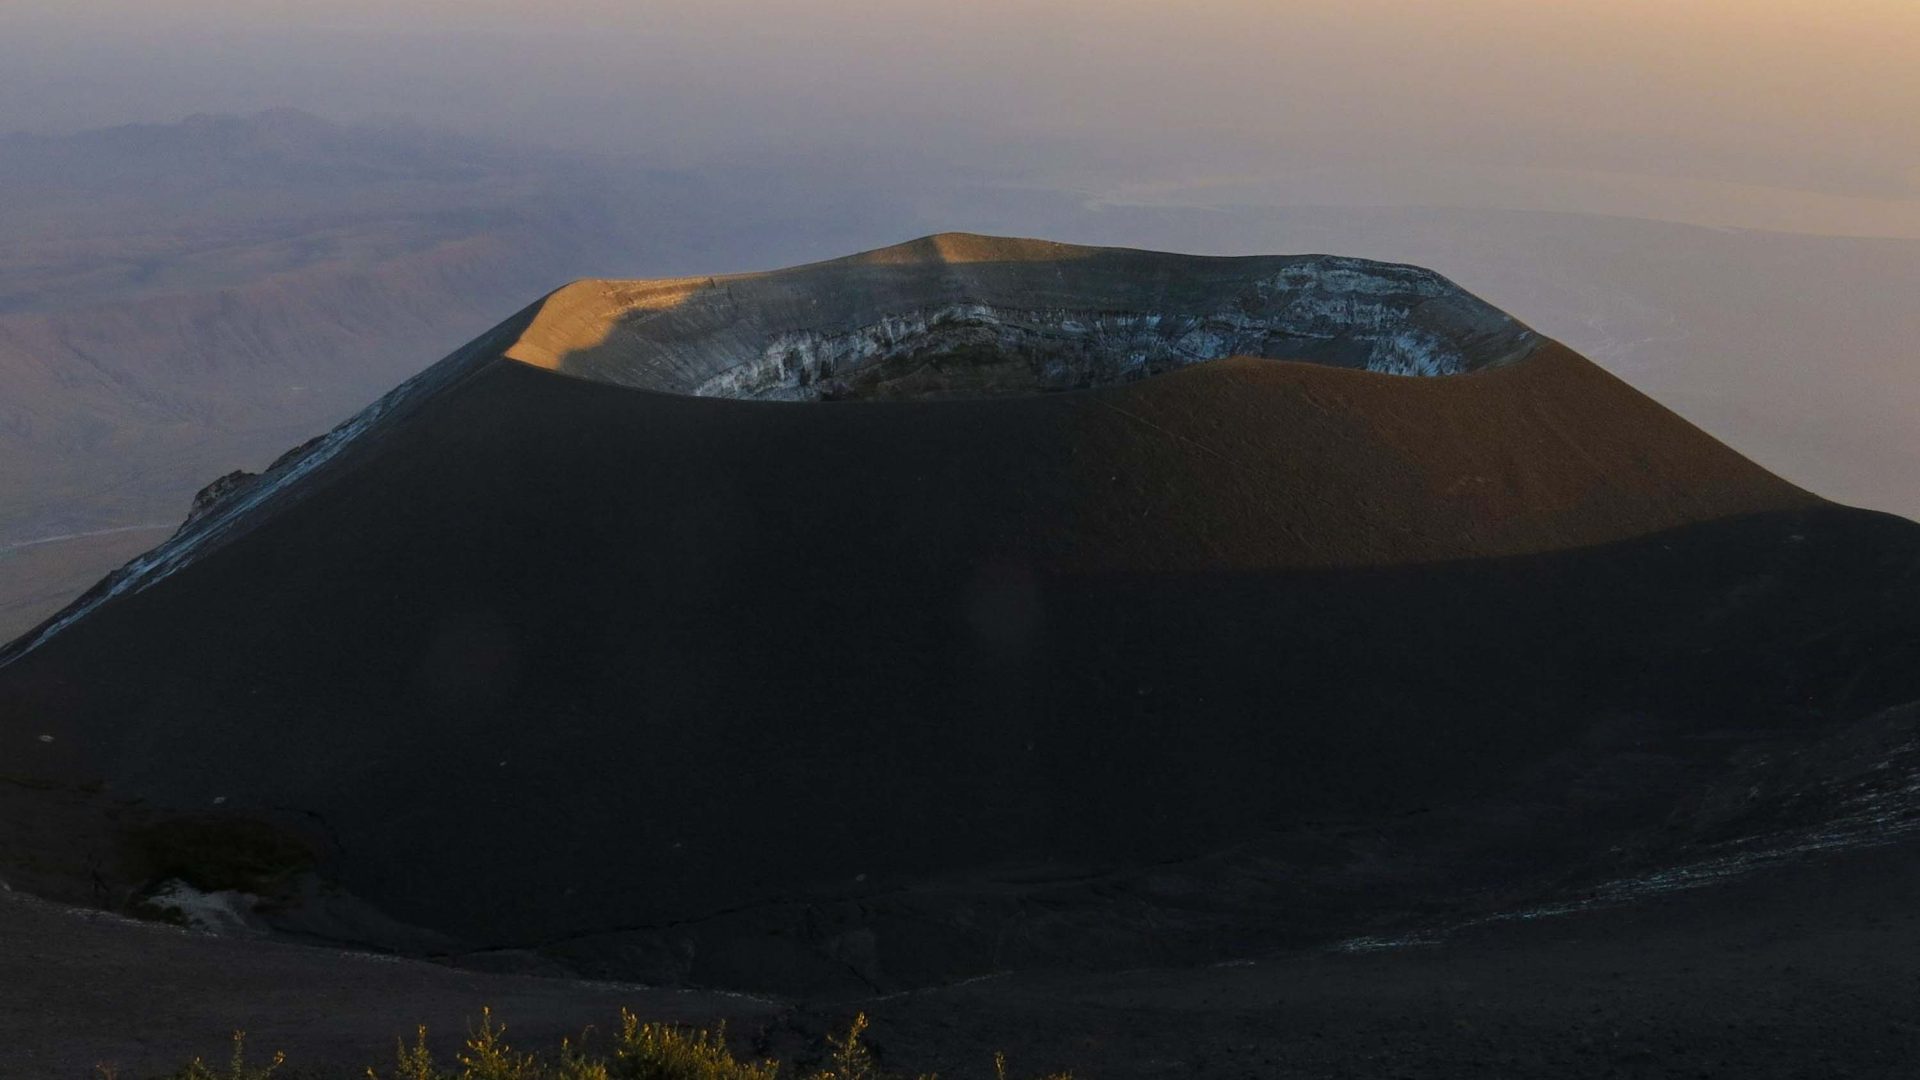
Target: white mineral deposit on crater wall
[1371, 310]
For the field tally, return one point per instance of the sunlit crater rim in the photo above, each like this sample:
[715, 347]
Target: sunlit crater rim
[966, 316]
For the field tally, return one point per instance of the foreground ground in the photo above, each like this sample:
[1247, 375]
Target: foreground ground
[1803, 970]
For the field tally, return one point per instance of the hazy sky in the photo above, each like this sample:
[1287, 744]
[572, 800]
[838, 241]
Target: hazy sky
[1796, 114]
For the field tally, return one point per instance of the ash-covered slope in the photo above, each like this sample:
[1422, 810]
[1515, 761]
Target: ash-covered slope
[887, 691]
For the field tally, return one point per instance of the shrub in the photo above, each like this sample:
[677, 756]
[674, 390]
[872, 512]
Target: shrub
[850, 1059]
[665, 1052]
[236, 1065]
[641, 1051]
[415, 1062]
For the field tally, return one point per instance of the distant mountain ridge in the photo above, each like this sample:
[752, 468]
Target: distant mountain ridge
[286, 152]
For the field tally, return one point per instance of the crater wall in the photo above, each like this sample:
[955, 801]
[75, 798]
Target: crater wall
[965, 316]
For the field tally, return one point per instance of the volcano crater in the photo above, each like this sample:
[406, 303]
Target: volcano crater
[972, 320]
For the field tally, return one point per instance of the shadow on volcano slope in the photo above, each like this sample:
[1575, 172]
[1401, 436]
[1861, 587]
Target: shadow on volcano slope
[881, 694]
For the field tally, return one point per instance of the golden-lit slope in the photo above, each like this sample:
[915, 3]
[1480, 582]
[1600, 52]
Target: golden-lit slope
[1253, 463]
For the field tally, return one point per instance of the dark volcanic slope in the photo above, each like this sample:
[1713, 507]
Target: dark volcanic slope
[789, 694]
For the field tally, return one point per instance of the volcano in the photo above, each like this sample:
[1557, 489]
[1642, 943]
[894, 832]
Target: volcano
[968, 605]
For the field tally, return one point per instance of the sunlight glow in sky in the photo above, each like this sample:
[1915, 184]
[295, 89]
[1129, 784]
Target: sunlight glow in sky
[1794, 113]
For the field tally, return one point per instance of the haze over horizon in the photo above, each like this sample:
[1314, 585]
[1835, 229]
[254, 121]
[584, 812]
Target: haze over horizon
[1770, 114]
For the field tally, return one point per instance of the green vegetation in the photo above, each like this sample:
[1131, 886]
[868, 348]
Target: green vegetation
[237, 1068]
[640, 1051]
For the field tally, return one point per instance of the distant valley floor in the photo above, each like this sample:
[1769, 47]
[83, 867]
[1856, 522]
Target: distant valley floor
[39, 579]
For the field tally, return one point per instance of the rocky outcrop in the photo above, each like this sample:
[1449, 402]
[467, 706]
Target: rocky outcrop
[210, 496]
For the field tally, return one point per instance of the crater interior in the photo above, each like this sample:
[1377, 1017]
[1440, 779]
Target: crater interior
[958, 315]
